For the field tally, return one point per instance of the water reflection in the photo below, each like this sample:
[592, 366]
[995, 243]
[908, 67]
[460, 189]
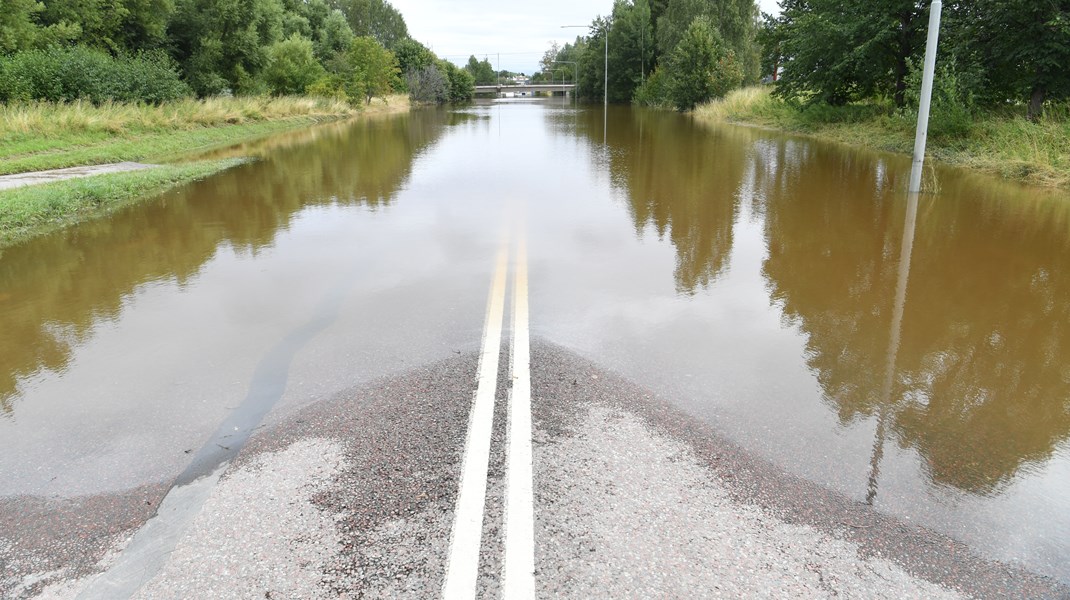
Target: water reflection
[973, 368]
[954, 338]
[55, 289]
[679, 180]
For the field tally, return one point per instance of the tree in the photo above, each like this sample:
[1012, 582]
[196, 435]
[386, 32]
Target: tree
[591, 61]
[461, 82]
[735, 20]
[482, 71]
[371, 70]
[377, 19]
[413, 56]
[292, 66]
[1027, 45]
[702, 66]
[220, 44]
[631, 48]
[839, 51]
[333, 38]
[17, 28]
[428, 84]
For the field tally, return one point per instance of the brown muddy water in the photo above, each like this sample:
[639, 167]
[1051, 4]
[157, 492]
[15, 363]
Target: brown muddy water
[912, 354]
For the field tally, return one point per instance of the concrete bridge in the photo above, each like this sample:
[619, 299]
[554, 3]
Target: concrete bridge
[525, 90]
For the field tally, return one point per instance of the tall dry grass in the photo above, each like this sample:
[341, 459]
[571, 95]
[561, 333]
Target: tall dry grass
[1004, 144]
[46, 118]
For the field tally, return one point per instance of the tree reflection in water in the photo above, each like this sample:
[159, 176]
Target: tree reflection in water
[58, 287]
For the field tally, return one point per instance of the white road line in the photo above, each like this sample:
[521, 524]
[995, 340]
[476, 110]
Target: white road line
[463, 567]
[518, 578]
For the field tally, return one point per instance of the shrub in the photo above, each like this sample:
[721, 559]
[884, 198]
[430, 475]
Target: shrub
[654, 91]
[428, 84]
[702, 66]
[79, 73]
[952, 108]
[292, 66]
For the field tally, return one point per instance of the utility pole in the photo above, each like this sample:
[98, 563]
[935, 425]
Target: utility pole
[926, 97]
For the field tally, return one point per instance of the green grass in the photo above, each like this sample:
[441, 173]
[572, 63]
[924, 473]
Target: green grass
[37, 209]
[1002, 144]
[39, 136]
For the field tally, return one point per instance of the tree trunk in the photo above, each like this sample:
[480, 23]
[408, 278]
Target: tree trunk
[1036, 103]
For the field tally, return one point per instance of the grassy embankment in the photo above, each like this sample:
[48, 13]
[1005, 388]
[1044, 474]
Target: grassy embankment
[1001, 144]
[40, 136]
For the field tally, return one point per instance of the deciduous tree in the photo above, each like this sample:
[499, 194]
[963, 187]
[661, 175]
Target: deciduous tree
[701, 66]
[372, 70]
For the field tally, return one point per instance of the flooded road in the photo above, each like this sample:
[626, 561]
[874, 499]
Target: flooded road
[911, 355]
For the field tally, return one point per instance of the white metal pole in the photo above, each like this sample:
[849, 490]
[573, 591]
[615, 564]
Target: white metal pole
[605, 88]
[926, 96]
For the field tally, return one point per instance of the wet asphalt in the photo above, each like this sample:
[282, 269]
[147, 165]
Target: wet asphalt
[353, 497]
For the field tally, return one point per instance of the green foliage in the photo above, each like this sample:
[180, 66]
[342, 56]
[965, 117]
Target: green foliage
[654, 91]
[333, 38]
[377, 19]
[591, 83]
[845, 50]
[413, 56]
[371, 70]
[702, 66]
[114, 25]
[482, 71]
[1027, 45]
[221, 43]
[461, 82]
[66, 74]
[953, 102]
[735, 20]
[291, 66]
[631, 48]
[17, 29]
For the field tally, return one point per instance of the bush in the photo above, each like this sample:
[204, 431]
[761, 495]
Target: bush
[952, 108]
[292, 67]
[428, 84]
[702, 66]
[654, 91]
[80, 73]
[462, 85]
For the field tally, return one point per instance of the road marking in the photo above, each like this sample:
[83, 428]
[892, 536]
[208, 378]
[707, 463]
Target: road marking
[463, 567]
[519, 570]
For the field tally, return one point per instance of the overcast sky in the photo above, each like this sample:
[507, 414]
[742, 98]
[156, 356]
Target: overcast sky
[520, 31]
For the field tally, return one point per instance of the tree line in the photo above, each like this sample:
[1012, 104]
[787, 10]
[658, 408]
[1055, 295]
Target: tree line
[993, 53]
[89, 49]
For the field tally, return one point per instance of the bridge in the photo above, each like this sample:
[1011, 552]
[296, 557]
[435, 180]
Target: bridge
[526, 90]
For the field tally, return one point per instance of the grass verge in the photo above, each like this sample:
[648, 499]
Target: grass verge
[1005, 145]
[37, 209]
[42, 136]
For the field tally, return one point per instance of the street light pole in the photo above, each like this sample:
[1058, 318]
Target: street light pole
[605, 84]
[926, 96]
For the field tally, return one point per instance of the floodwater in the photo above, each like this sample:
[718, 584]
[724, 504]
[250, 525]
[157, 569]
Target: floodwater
[912, 353]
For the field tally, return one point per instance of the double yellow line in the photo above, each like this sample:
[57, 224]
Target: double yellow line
[518, 572]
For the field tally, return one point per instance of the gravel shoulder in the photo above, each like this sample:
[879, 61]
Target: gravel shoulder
[353, 497]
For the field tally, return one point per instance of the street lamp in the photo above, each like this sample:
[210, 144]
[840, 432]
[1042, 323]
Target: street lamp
[576, 75]
[605, 86]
